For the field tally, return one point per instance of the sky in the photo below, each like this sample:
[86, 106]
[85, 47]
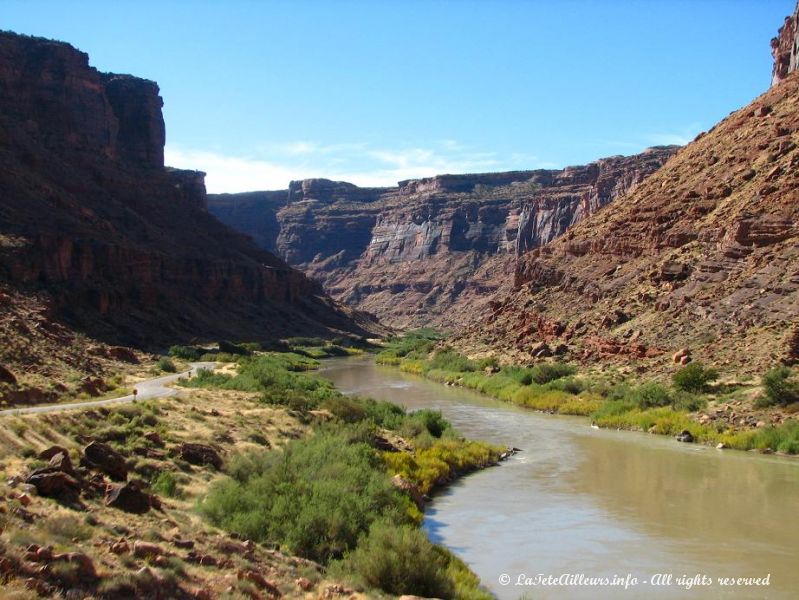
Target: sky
[258, 93]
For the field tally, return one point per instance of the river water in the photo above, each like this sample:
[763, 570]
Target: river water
[601, 504]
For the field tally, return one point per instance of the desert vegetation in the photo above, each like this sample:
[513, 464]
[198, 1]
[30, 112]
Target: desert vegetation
[661, 407]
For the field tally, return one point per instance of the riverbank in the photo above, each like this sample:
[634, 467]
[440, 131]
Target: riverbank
[694, 410]
[258, 455]
[598, 502]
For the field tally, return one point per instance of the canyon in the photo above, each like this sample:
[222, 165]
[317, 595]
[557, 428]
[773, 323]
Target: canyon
[100, 243]
[430, 251]
[699, 261]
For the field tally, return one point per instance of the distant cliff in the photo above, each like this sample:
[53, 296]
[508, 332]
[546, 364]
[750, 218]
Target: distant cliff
[122, 247]
[785, 48]
[430, 250]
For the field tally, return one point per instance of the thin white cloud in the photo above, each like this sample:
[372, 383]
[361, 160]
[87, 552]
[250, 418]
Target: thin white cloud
[272, 166]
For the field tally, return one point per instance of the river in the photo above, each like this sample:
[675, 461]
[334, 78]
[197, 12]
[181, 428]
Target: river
[599, 503]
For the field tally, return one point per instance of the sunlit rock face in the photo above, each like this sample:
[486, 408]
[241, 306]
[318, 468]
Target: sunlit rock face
[433, 250]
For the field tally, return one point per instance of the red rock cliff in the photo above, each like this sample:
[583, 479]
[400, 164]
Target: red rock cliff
[785, 48]
[123, 246]
[431, 250]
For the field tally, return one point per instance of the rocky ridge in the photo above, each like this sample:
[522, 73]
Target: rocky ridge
[785, 48]
[433, 250]
[703, 256]
[91, 215]
[99, 239]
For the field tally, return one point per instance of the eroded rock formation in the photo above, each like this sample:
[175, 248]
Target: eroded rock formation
[431, 250]
[702, 256]
[785, 48]
[113, 243]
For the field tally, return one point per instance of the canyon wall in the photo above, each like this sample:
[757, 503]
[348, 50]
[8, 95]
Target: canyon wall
[121, 247]
[432, 250]
[785, 48]
[702, 257]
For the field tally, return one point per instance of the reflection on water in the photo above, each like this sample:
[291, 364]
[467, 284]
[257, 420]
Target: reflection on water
[601, 503]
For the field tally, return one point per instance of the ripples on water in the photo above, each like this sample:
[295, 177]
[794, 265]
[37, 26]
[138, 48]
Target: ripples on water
[602, 503]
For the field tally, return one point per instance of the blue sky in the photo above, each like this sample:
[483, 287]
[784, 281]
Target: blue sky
[259, 93]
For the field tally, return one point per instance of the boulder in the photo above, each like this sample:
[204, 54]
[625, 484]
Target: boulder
[7, 376]
[104, 458]
[85, 567]
[154, 439]
[51, 452]
[123, 354]
[305, 584]
[55, 484]
[260, 582]
[200, 454]
[120, 547]
[62, 462]
[680, 354]
[128, 497]
[148, 550]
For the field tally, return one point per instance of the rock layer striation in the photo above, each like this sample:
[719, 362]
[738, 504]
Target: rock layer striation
[433, 250]
[119, 246]
[702, 257]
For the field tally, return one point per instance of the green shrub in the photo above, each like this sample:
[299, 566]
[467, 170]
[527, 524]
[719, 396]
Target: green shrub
[431, 420]
[650, 395]
[185, 352]
[448, 359]
[521, 375]
[782, 438]
[567, 384]
[780, 386]
[166, 484]
[694, 377]
[166, 365]
[546, 372]
[66, 528]
[226, 347]
[400, 560]
[316, 497]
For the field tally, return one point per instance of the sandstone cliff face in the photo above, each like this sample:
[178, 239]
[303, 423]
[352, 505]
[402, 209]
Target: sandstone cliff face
[785, 48]
[703, 254]
[121, 246]
[433, 250]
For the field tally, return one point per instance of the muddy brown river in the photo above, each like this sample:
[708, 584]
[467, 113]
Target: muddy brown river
[585, 513]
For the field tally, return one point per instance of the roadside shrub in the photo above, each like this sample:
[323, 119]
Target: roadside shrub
[400, 560]
[226, 347]
[185, 352]
[780, 387]
[546, 372]
[166, 365]
[694, 377]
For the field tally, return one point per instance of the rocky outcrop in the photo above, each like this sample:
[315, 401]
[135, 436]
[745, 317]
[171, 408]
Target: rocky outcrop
[113, 243]
[702, 257]
[431, 250]
[785, 48]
